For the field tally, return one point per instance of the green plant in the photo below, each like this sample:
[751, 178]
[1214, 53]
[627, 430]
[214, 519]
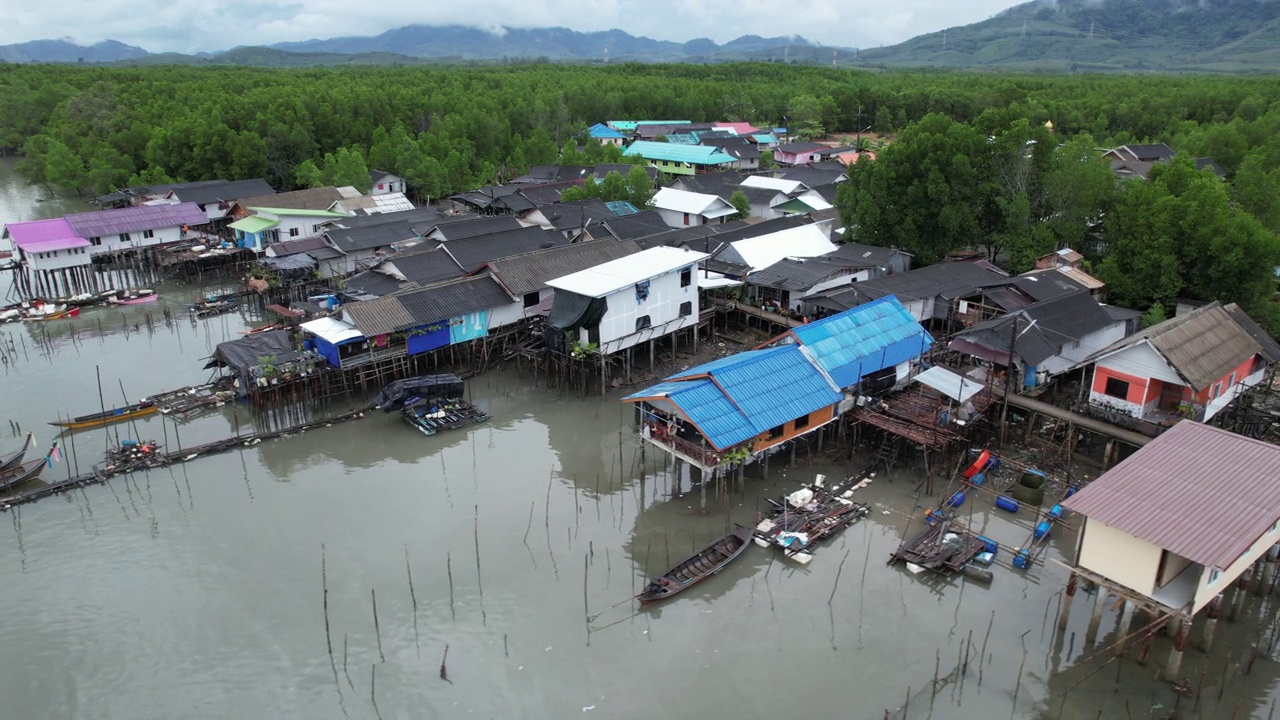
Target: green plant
[578, 350]
[737, 455]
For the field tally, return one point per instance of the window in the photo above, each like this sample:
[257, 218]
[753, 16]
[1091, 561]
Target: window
[775, 433]
[315, 229]
[531, 299]
[95, 241]
[643, 322]
[124, 237]
[1213, 577]
[293, 232]
[1116, 388]
[642, 291]
[380, 186]
[1217, 390]
[1231, 380]
[148, 234]
[686, 309]
[686, 277]
[802, 422]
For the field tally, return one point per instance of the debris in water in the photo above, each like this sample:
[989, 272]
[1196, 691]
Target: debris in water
[589, 707]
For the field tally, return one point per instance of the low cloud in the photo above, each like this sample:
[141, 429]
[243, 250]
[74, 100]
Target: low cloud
[211, 25]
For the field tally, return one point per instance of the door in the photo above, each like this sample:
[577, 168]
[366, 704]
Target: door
[1170, 396]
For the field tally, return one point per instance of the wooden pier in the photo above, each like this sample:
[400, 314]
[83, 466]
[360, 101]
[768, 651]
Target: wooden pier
[182, 455]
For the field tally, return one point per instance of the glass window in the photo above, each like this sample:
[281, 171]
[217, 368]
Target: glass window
[1117, 388]
[802, 422]
[531, 299]
[686, 277]
[124, 237]
[686, 309]
[148, 234]
[643, 322]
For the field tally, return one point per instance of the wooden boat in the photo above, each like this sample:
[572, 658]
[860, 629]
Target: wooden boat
[697, 567]
[134, 298]
[108, 417]
[24, 473]
[209, 308]
[15, 459]
[59, 315]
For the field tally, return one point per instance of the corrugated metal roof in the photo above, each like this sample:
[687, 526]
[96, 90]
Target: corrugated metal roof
[452, 298]
[947, 280]
[44, 235]
[764, 250]
[423, 218]
[528, 272]
[864, 340]
[606, 278]
[222, 191]
[1203, 345]
[378, 317]
[99, 223]
[639, 225]
[671, 152]
[797, 275]
[253, 224]
[476, 225]
[858, 255]
[689, 202]
[371, 236]
[310, 199]
[1200, 492]
[424, 266]
[752, 392]
[471, 253]
[374, 284]
[1270, 348]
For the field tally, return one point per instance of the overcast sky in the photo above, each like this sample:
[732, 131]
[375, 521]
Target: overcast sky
[210, 25]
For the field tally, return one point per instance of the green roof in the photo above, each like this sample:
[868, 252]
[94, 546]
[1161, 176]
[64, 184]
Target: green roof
[282, 212]
[673, 152]
[630, 125]
[253, 224]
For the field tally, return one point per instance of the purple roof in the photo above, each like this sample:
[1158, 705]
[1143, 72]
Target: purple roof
[133, 219]
[44, 235]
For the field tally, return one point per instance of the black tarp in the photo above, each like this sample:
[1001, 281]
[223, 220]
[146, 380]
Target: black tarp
[571, 310]
[393, 396]
[245, 354]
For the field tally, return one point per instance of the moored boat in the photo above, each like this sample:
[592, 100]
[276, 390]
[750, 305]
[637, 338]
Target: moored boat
[108, 417]
[55, 315]
[28, 471]
[697, 567]
[209, 308]
[134, 297]
[9, 461]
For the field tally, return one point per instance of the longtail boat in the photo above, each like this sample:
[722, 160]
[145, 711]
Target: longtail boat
[108, 417]
[134, 297]
[697, 567]
[68, 312]
[15, 459]
[28, 471]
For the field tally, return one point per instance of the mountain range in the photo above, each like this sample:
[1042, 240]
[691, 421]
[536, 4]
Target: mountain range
[1221, 36]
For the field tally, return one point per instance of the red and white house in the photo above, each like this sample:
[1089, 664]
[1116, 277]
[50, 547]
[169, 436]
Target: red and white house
[1191, 366]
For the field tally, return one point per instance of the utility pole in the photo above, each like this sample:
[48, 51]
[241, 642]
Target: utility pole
[944, 39]
[1024, 28]
[1008, 382]
[1091, 29]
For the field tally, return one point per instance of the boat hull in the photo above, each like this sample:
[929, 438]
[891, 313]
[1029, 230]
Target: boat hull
[134, 301]
[14, 460]
[112, 416]
[22, 474]
[699, 566]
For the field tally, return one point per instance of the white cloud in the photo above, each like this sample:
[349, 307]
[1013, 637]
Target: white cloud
[210, 25]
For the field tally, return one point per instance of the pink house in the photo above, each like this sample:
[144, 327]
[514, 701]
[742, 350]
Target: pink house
[799, 153]
[1191, 366]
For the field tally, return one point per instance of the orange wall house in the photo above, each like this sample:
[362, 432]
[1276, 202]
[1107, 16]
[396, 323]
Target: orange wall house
[795, 428]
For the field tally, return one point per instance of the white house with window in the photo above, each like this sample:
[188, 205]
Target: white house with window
[131, 228]
[681, 208]
[385, 183]
[267, 226]
[628, 301]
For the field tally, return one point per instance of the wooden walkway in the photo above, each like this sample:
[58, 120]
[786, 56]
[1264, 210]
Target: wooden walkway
[1081, 421]
[756, 312]
[100, 475]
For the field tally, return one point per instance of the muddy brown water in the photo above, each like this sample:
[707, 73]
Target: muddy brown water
[196, 591]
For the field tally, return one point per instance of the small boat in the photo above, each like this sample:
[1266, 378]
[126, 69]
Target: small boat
[209, 308]
[22, 473]
[56, 315]
[133, 297]
[264, 328]
[9, 461]
[106, 418]
[697, 567]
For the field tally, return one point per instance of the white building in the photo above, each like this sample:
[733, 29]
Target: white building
[760, 252]
[135, 227]
[627, 301]
[681, 208]
[385, 182]
[272, 225]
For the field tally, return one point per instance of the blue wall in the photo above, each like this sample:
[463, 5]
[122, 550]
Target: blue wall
[436, 336]
[469, 327]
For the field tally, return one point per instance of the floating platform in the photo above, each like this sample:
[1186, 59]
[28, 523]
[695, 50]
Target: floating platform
[943, 547]
[810, 515]
[190, 402]
[433, 416]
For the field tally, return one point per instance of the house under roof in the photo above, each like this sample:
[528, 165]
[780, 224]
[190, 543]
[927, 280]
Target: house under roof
[221, 192]
[863, 340]
[98, 223]
[529, 272]
[671, 152]
[762, 251]
[629, 227]
[471, 253]
[453, 298]
[423, 218]
[424, 267]
[1201, 346]
[34, 236]
[862, 256]
[800, 147]
[607, 278]
[1270, 348]
[1197, 491]
[468, 226]
[683, 201]
[948, 280]
[1042, 329]
[370, 236]
[321, 198]
[796, 275]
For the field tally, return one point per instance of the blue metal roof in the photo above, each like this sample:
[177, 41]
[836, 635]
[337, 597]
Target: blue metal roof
[600, 131]
[671, 152]
[749, 393]
[863, 340]
[621, 207]
[765, 138]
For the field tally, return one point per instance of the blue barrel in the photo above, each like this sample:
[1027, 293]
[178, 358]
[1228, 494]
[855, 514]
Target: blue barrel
[1072, 490]
[978, 479]
[1055, 512]
[933, 516]
[989, 545]
[1007, 503]
[1042, 529]
[994, 463]
[956, 500]
[1022, 560]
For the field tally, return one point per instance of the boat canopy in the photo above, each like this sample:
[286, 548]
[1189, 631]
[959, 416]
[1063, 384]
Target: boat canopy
[394, 395]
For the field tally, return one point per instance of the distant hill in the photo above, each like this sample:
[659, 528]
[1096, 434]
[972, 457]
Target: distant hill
[1101, 36]
[444, 43]
[62, 51]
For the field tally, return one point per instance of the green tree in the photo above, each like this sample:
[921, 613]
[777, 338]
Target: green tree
[810, 116]
[1257, 189]
[1154, 316]
[766, 160]
[740, 201]
[614, 187]
[308, 175]
[571, 155]
[640, 187]
[108, 170]
[351, 170]
[63, 169]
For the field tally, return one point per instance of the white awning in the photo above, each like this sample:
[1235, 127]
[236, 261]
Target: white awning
[715, 280]
[956, 387]
[332, 331]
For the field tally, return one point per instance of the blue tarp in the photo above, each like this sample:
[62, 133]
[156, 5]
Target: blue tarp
[421, 340]
[469, 327]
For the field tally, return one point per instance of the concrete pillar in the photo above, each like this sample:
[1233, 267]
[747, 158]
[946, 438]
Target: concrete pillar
[1262, 574]
[1099, 605]
[1240, 594]
[1211, 622]
[1145, 653]
[1174, 667]
[1126, 619]
[1067, 597]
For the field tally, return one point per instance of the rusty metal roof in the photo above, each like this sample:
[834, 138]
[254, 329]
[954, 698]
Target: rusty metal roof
[1198, 491]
